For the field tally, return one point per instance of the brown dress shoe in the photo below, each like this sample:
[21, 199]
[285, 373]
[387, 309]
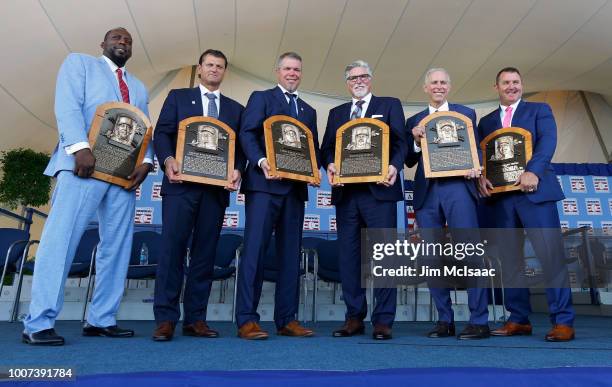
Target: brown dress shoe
[560, 332]
[381, 332]
[252, 331]
[199, 329]
[294, 329]
[512, 329]
[351, 327]
[164, 331]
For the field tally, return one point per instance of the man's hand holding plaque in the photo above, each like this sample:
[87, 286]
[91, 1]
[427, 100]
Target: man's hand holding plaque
[290, 151]
[505, 154]
[448, 145]
[205, 152]
[118, 137]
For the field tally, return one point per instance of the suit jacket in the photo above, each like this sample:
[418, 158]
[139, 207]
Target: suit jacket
[390, 112]
[421, 185]
[262, 105]
[185, 103]
[539, 120]
[83, 83]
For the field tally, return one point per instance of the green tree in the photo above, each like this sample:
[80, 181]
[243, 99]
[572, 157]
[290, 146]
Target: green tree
[23, 182]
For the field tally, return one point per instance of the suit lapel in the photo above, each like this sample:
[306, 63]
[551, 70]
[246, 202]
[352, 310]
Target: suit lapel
[518, 114]
[372, 106]
[196, 102]
[278, 94]
[112, 78]
[223, 107]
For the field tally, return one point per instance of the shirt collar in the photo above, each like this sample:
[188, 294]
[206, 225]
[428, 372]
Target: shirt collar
[204, 90]
[366, 99]
[286, 91]
[443, 108]
[112, 65]
[514, 105]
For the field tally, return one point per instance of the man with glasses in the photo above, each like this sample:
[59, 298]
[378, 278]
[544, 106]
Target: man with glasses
[362, 205]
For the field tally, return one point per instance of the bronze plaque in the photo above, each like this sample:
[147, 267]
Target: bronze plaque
[205, 150]
[505, 153]
[449, 147]
[119, 136]
[362, 151]
[290, 149]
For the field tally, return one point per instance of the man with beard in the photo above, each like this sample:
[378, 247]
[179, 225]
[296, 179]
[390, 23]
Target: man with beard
[83, 83]
[362, 205]
[272, 204]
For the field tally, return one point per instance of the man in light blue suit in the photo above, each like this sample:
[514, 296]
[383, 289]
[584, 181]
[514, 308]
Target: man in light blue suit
[83, 83]
[447, 201]
[533, 207]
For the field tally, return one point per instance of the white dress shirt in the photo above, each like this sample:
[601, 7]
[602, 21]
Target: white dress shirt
[217, 93]
[364, 107]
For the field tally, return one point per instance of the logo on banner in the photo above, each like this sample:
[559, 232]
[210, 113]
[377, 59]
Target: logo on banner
[610, 205]
[332, 223]
[593, 207]
[231, 219]
[577, 184]
[239, 199]
[408, 195]
[601, 184]
[138, 192]
[606, 227]
[570, 207]
[155, 167]
[323, 199]
[312, 222]
[564, 225]
[156, 192]
[144, 215]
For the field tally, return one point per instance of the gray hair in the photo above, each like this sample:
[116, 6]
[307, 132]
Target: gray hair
[290, 54]
[355, 64]
[433, 70]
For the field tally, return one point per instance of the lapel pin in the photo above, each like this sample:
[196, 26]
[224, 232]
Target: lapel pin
[193, 102]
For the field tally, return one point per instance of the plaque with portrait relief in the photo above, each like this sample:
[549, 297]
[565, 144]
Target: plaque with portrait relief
[118, 137]
[290, 149]
[362, 151]
[505, 154]
[205, 150]
[449, 146]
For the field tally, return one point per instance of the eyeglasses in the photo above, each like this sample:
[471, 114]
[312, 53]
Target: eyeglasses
[361, 77]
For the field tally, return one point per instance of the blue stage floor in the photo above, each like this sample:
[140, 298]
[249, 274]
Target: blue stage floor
[409, 349]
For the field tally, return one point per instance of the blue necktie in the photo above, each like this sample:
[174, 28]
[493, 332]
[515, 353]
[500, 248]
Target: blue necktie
[212, 106]
[292, 105]
[357, 112]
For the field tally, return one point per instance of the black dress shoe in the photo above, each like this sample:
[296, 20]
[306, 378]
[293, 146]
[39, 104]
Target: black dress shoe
[351, 327]
[474, 332]
[381, 332]
[46, 337]
[111, 331]
[442, 329]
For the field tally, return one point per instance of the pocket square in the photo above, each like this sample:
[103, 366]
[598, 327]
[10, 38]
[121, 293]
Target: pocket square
[377, 116]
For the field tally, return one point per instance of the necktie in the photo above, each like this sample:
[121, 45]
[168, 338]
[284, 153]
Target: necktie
[212, 106]
[357, 112]
[292, 105]
[508, 117]
[125, 92]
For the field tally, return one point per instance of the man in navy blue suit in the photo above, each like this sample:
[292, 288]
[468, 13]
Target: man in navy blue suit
[446, 201]
[362, 205]
[190, 207]
[272, 204]
[533, 207]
